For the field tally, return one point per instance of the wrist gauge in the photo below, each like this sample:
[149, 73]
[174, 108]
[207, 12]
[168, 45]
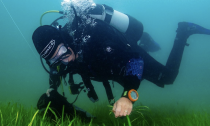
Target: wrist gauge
[133, 95]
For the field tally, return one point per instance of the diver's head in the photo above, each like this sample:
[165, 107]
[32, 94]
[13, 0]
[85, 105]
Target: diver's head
[51, 46]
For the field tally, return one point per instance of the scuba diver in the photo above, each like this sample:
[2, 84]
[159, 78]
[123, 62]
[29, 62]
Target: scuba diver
[109, 51]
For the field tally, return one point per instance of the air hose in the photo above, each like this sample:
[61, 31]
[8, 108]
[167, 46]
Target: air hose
[50, 11]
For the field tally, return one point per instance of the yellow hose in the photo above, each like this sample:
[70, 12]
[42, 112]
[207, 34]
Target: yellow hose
[51, 11]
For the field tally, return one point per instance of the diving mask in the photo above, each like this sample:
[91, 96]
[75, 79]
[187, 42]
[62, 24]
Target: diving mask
[61, 56]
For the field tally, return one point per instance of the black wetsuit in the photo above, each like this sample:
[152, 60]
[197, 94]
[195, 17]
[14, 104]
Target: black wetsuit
[100, 63]
[107, 51]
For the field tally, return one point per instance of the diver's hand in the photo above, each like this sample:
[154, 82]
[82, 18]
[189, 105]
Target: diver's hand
[97, 11]
[48, 92]
[122, 107]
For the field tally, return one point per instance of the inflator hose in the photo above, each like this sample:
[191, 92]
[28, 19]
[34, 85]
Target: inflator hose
[50, 11]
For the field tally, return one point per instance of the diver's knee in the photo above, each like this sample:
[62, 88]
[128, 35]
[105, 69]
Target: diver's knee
[168, 77]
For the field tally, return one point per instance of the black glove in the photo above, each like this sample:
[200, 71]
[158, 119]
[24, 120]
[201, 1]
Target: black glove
[92, 95]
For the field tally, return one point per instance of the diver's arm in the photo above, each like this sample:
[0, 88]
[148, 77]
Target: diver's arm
[87, 82]
[124, 105]
[130, 82]
[54, 80]
[91, 91]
